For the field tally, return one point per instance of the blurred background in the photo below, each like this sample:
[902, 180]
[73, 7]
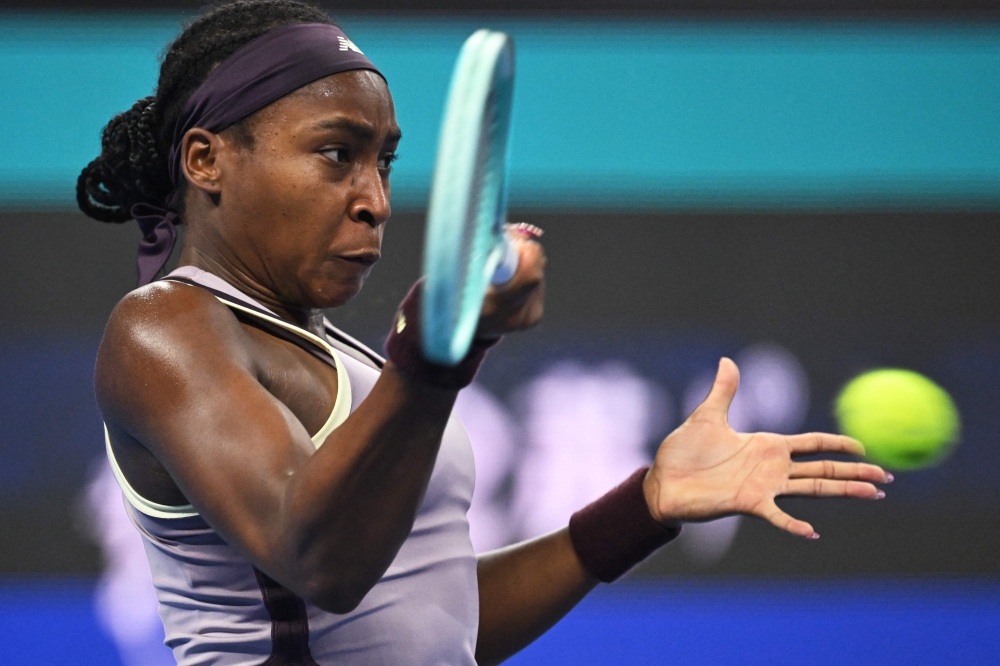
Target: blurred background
[811, 187]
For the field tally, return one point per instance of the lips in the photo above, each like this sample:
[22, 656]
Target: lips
[363, 258]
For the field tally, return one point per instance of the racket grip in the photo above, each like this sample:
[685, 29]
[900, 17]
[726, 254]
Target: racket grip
[508, 264]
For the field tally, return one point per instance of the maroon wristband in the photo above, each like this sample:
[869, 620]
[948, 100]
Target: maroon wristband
[403, 347]
[614, 533]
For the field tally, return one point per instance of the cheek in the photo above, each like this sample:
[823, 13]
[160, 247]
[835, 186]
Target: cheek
[280, 175]
[292, 188]
[290, 201]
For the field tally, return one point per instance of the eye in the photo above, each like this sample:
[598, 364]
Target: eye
[385, 162]
[336, 154]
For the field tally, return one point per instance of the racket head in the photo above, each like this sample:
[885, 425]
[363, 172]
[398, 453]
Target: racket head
[465, 219]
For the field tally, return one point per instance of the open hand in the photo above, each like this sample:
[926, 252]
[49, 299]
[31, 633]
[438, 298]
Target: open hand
[705, 469]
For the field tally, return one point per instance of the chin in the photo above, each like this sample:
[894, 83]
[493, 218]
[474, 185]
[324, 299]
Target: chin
[333, 283]
[335, 293]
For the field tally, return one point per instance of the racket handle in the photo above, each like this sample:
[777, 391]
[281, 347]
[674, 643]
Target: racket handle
[508, 264]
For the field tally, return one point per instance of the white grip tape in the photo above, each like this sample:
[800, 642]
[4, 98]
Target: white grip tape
[508, 264]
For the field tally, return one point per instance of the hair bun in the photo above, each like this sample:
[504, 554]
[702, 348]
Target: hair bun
[132, 166]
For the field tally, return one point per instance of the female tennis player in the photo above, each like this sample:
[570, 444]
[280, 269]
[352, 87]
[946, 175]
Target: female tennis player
[301, 500]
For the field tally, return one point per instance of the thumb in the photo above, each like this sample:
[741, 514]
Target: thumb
[727, 380]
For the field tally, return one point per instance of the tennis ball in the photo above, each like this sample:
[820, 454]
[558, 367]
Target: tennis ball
[905, 420]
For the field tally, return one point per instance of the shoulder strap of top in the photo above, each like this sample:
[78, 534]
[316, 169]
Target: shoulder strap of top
[337, 338]
[350, 346]
[315, 345]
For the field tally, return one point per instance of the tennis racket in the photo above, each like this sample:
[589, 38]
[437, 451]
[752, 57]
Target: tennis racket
[466, 248]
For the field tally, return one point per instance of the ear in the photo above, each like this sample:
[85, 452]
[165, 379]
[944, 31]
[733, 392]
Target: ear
[202, 160]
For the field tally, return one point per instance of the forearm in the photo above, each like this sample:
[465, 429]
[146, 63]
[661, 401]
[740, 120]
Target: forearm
[349, 509]
[524, 590]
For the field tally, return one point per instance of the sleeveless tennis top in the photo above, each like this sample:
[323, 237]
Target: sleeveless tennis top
[219, 610]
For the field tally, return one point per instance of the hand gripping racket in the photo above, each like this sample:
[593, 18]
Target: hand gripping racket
[466, 247]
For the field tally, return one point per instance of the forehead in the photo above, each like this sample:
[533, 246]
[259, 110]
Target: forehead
[359, 95]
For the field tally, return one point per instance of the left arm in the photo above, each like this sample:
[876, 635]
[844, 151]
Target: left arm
[703, 470]
[524, 589]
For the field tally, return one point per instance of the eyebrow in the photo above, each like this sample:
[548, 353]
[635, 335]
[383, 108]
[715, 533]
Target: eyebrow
[363, 131]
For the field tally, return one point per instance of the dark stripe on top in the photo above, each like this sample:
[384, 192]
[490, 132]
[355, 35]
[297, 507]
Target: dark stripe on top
[358, 351]
[287, 336]
[354, 348]
[219, 294]
[289, 624]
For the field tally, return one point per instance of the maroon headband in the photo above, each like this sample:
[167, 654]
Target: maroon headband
[261, 72]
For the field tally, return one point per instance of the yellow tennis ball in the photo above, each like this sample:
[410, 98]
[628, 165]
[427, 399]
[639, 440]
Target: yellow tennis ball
[905, 420]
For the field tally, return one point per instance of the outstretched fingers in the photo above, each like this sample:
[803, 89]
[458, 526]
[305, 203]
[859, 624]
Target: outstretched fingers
[832, 488]
[831, 469]
[783, 521]
[822, 442]
[824, 478]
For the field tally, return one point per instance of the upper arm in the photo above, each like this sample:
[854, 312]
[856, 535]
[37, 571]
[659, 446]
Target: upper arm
[175, 373]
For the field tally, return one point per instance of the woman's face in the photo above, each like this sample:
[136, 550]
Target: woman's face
[304, 207]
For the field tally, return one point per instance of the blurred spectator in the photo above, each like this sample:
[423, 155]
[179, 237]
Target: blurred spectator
[586, 429]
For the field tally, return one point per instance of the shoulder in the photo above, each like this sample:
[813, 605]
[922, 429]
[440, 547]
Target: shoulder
[169, 312]
[162, 335]
[167, 304]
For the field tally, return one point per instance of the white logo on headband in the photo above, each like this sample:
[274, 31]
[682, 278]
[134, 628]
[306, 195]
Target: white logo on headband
[346, 44]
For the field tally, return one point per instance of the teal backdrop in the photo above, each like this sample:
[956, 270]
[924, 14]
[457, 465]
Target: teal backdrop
[609, 115]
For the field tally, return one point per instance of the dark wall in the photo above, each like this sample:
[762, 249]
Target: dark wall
[843, 292]
[902, 277]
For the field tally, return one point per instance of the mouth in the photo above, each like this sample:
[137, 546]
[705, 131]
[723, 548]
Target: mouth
[367, 258]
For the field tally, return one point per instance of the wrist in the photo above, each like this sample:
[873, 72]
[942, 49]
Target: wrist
[617, 531]
[404, 349]
[651, 493]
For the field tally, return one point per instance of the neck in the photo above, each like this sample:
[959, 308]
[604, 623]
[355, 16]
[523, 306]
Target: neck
[310, 319]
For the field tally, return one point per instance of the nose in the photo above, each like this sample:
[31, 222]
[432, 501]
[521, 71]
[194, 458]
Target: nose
[371, 203]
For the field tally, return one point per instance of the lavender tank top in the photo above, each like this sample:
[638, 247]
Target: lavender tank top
[218, 610]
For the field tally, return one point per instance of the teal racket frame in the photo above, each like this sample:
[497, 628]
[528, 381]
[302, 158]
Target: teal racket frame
[465, 247]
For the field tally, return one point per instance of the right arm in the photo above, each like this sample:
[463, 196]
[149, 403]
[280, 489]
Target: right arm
[325, 523]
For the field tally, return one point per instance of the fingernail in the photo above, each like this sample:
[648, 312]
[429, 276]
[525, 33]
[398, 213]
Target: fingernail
[880, 494]
[528, 230]
[889, 478]
[813, 536]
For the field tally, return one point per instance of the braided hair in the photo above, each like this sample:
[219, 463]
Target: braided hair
[132, 166]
